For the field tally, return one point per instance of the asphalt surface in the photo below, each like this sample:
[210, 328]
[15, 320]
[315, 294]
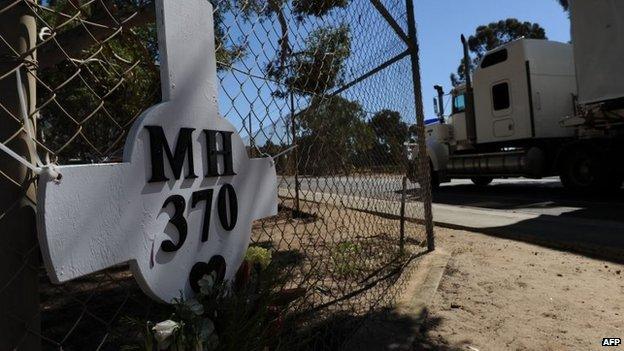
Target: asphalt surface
[536, 211]
[542, 197]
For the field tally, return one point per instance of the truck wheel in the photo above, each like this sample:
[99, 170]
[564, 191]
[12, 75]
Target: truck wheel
[481, 181]
[581, 171]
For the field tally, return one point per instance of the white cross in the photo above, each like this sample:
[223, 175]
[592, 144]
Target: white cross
[103, 215]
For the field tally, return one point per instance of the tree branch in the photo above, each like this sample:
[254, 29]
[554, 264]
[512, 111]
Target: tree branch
[276, 7]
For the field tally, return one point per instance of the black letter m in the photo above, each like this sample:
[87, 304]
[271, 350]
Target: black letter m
[183, 148]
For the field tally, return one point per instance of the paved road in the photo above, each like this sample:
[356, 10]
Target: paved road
[538, 211]
[542, 197]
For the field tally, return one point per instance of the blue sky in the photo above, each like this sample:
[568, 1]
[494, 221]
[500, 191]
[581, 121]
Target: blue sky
[441, 22]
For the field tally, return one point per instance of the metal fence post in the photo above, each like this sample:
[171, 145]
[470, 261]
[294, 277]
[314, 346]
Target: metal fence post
[19, 258]
[420, 124]
[402, 229]
[295, 155]
[252, 142]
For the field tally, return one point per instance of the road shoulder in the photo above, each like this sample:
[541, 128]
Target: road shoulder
[398, 328]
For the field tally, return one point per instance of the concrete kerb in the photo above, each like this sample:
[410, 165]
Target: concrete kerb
[399, 327]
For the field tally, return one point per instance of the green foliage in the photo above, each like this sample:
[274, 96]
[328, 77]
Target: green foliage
[346, 259]
[246, 315]
[337, 139]
[498, 33]
[258, 255]
[89, 108]
[565, 4]
[390, 134]
[317, 68]
[317, 7]
[255, 8]
[300, 8]
[334, 134]
[227, 51]
[493, 35]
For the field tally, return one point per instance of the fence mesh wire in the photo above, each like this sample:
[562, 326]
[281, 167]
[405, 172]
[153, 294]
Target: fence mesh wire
[326, 84]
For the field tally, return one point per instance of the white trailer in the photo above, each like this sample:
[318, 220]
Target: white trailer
[598, 36]
[538, 108]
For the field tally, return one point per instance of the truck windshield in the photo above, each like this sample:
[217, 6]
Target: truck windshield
[459, 104]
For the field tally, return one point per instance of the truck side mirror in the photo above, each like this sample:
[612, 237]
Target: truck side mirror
[435, 106]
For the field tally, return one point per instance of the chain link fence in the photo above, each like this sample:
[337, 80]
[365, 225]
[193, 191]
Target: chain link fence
[330, 88]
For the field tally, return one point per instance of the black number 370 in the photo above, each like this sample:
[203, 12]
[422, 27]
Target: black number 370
[227, 203]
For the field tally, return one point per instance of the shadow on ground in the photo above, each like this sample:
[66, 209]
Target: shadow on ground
[587, 224]
[388, 329]
[536, 196]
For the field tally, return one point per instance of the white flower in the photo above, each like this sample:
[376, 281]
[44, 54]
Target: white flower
[163, 332]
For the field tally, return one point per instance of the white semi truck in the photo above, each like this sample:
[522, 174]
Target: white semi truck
[538, 108]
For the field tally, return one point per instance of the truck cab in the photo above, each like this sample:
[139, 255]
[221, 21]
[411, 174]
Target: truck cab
[506, 120]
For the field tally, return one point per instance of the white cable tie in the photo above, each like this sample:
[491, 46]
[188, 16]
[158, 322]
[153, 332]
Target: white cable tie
[262, 152]
[49, 170]
[20, 159]
[284, 152]
[24, 110]
[38, 168]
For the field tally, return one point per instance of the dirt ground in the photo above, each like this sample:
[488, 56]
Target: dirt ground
[499, 294]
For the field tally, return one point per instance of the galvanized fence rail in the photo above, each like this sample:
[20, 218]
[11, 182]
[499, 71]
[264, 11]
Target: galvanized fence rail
[332, 87]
